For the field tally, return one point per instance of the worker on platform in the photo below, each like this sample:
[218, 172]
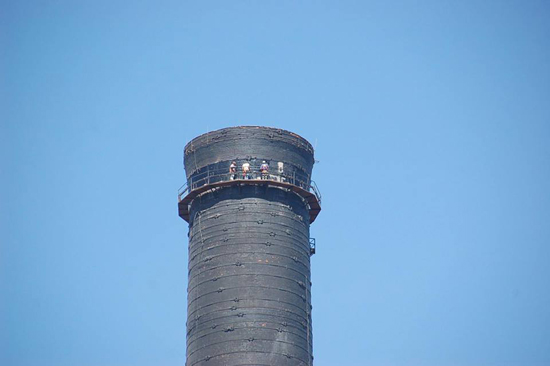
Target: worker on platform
[264, 170]
[246, 170]
[280, 171]
[233, 171]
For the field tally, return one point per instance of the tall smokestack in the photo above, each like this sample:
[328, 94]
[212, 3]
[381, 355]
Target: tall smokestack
[249, 279]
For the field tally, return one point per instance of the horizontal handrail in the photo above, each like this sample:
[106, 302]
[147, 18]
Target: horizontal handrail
[254, 173]
[255, 176]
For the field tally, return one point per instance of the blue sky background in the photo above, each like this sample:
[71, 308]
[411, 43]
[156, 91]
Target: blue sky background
[431, 122]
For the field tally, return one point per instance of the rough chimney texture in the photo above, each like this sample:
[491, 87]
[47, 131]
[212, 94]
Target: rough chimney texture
[249, 284]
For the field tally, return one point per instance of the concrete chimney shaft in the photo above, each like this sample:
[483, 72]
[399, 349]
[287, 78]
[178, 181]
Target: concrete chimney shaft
[249, 284]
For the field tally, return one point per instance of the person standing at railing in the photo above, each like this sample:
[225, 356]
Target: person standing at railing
[233, 171]
[280, 171]
[264, 170]
[246, 170]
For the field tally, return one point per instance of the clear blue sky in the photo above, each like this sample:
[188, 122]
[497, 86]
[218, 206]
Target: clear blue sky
[431, 122]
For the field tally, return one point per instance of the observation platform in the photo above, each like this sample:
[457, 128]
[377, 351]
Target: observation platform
[310, 193]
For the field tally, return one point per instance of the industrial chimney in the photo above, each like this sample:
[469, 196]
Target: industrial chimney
[249, 279]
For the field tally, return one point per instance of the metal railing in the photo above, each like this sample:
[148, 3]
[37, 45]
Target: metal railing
[210, 177]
